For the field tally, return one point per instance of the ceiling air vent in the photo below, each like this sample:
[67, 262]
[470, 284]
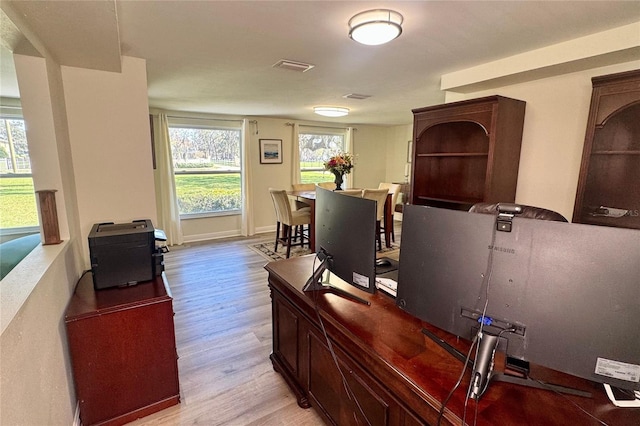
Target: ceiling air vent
[293, 65]
[356, 96]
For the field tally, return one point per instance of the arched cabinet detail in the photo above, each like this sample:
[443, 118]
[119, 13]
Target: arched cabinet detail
[466, 152]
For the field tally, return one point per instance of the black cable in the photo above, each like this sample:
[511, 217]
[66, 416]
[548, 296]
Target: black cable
[464, 368]
[345, 383]
[485, 283]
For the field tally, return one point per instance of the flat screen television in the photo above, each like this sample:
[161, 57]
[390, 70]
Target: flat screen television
[345, 233]
[568, 295]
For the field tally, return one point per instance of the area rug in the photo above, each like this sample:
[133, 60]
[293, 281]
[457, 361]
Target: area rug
[266, 250]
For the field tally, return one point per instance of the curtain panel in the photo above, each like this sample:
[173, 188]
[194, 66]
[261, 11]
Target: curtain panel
[166, 198]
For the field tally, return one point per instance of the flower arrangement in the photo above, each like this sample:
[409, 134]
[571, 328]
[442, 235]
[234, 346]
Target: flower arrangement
[341, 163]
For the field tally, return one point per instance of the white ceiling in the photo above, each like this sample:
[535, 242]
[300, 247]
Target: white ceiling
[217, 56]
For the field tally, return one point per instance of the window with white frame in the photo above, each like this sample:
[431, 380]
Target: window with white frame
[316, 146]
[207, 168]
[18, 211]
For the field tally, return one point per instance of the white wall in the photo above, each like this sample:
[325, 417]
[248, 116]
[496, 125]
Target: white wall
[553, 136]
[397, 145]
[36, 381]
[108, 118]
[90, 135]
[35, 375]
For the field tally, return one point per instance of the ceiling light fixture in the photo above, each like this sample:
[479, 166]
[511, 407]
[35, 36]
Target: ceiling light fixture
[374, 27]
[328, 111]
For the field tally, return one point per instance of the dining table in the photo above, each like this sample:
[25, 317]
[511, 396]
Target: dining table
[309, 197]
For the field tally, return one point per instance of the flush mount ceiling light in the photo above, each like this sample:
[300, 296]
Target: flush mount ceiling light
[374, 27]
[328, 111]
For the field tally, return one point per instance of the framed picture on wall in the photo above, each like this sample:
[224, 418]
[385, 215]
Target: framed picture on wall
[270, 151]
[409, 147]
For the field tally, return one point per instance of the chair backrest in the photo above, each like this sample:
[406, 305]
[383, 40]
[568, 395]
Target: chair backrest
[281, 205]
[303, 186]
[351, 192]
[327, 185]
[380, 196]
[394, 189]
[528, 212]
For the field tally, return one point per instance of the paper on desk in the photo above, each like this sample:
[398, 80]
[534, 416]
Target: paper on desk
[387, 285]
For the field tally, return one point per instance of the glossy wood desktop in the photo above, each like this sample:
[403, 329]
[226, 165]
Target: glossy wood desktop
[397, 374]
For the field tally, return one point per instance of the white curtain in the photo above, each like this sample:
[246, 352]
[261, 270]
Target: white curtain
[348, 147]
[166, 199]
[248, 141]
[295, 154]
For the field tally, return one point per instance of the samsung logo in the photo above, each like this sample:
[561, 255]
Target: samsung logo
[502, 249]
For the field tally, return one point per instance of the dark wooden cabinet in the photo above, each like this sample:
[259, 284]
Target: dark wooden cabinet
[123, 350]
[392, 374]
[609, 184]
[466, 152]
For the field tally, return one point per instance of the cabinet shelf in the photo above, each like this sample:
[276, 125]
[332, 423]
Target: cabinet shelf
[466, 152]
[615, 153]
[449, 199]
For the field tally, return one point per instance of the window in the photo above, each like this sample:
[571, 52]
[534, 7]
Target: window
[17, 197]
[206, 162]
[315, 148]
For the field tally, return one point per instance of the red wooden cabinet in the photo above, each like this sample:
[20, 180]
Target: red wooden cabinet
[123, 350]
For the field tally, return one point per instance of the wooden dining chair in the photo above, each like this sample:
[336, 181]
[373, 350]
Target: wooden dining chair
[380, 197]
[292, 221]
[394, 190]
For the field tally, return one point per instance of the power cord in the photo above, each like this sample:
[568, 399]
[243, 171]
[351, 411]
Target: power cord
[486, 280]
[345, 383]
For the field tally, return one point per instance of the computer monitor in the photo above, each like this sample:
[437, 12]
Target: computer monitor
[345, 240]
[568, 295]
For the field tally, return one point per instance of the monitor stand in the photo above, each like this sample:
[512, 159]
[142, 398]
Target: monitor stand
[501, 377]
[315, 283]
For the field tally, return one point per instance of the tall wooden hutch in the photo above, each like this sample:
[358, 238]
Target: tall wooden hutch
[466, 152]
[609, 184]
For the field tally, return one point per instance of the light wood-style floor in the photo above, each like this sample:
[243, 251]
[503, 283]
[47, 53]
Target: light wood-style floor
[223, 335]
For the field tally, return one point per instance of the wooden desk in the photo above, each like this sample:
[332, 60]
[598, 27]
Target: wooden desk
[309, 197]
[398, 375]
[123, 351]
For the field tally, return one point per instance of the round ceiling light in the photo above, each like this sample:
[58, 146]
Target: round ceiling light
[331, 111]
[374, 27]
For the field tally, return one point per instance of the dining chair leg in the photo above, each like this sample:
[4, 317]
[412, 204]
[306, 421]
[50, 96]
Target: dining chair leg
[378, 236]
[393, 232]
[277, 235]
[289, 243]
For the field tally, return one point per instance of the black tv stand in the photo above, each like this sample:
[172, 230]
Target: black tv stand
[315, 283]
[501, 377]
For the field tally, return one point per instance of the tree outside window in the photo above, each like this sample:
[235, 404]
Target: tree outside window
[17, 196]
[315, 149]
[207, 170]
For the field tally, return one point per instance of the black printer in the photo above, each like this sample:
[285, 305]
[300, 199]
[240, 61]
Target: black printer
[122, 254]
